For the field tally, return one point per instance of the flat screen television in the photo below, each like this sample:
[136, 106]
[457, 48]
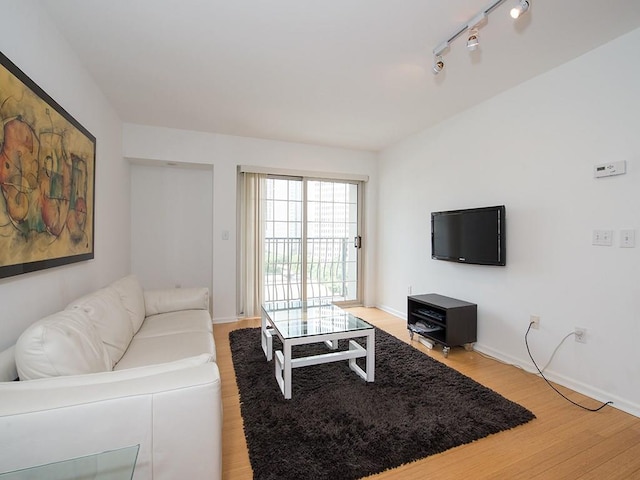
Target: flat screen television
[473, 235]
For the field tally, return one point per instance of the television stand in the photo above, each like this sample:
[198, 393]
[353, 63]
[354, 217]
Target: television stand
[447, 321]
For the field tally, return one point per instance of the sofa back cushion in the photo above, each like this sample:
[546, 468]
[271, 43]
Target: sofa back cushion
[175, 300]
[65, 343]
[132, 297]
[109, 317]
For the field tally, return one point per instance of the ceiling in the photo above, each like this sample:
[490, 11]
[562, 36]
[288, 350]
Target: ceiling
[343, 73]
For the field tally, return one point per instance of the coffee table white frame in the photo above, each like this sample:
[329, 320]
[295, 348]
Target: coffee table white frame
[284, 364]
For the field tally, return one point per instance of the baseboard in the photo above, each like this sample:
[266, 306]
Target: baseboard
[224, 320]
[597, 394]
[594, 393]
[392, 311]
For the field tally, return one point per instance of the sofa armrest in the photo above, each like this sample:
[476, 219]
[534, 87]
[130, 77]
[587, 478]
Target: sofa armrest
[173, 411]
[175, 299]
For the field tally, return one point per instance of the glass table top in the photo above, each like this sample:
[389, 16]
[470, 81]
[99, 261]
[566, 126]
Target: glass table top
[303, 319]
[110, 465]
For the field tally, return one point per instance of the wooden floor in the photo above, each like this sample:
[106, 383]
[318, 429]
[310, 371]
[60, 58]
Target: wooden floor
[563, 442]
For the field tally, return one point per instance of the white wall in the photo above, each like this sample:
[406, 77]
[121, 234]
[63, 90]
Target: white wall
[30, 40]
[225, 153]
[171, 226]
[533, 149]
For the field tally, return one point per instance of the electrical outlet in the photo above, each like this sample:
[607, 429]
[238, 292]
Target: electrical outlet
[409, 290]
[580, 334]
[534, 320]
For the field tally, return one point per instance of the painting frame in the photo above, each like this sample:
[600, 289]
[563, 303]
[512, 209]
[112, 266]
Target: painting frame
[47, 179]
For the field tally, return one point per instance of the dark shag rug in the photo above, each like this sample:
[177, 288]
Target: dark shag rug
[337, 426]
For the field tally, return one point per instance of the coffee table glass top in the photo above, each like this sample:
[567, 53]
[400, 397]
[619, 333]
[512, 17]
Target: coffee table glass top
[303, 319]
[110, 465]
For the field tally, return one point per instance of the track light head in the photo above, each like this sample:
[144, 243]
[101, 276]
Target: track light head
[523, 6]
[473, 42]
[438, 65]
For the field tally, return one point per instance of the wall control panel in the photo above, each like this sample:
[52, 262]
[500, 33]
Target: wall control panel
[610, 169]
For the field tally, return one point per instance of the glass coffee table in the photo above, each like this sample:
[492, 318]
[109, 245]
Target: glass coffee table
[110, 465]
[302, 323]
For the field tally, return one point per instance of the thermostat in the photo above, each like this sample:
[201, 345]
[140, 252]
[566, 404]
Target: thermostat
[610, 169]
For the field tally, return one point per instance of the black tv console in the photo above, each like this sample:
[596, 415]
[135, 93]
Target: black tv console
[443, 320]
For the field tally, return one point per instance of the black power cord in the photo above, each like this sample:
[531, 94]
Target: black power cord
[551, 385]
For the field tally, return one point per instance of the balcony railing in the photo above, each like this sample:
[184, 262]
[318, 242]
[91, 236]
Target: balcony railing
[331, 269]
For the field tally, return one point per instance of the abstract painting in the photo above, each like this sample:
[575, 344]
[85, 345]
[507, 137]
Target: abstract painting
[47, 179]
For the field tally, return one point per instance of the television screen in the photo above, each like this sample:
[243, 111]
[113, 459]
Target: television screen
[474, 235]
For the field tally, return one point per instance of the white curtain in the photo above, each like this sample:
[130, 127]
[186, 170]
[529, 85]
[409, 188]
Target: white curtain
[252, 242]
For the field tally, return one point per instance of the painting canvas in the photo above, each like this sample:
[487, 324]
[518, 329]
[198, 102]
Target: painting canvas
[47, 179]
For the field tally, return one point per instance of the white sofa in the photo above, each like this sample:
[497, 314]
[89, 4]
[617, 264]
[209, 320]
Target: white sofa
[116, 368]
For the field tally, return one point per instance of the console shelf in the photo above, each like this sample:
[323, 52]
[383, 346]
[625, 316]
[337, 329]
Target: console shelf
[443, 320]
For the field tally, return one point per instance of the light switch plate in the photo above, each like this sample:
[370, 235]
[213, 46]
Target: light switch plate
[627, 238]
[603, 238]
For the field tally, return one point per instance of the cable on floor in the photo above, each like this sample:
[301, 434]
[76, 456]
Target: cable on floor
[526, 342]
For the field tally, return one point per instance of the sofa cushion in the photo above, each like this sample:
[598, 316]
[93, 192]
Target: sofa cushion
[166, 348]
[110, 319]
[65, 343]
[176, 322]
[175, 299]
[147, 373]
[132, 298]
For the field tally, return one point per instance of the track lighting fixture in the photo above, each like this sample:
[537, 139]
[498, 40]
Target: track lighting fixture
[438, 65]
[472, 41]
[473, 25]
[523, 6]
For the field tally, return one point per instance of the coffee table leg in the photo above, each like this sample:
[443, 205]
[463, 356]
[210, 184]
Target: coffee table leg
[287, 370]
[371, 356]
[283, 370]
[267, 339]
[369, 371]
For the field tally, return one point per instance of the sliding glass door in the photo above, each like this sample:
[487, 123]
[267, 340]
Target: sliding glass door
[283, 251]
[311, 233]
